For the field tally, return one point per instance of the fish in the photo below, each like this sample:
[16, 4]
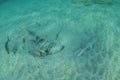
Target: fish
[15, 48]
[34, 37]
[58, 33]
[31, 33]
[38, 53]
[89, 44]
[23, 40]
[37, 40]
[6, 45]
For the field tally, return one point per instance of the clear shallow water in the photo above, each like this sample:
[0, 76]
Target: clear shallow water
[45, 38]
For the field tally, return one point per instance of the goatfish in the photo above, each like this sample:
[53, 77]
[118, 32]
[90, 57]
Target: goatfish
[31, 33]
[90, 42]
[34, 37]
[6, 45]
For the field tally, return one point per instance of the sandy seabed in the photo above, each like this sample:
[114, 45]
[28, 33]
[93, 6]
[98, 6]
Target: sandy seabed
[64, 29]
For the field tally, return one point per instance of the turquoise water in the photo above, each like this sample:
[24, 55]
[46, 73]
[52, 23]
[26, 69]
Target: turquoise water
[59, 40]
